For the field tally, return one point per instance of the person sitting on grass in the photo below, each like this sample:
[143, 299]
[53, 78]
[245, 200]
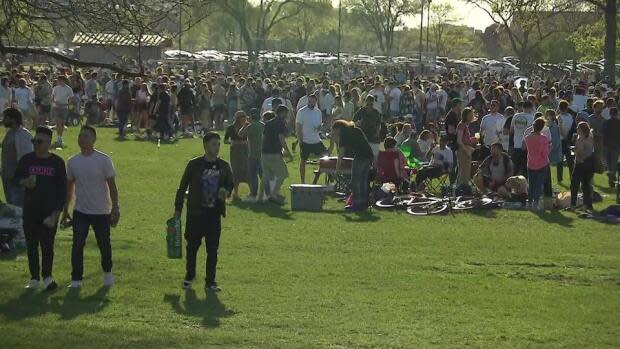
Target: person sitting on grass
[426, 142]
[442, 161]
[494, 171]
[391, 165]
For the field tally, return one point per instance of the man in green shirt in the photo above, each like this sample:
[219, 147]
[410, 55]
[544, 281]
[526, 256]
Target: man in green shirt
[253, 130]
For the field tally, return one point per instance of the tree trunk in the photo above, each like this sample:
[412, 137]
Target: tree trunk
[611, 22]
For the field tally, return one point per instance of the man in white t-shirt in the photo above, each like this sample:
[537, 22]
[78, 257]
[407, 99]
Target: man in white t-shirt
[308, 125]
[393, 96]
[90, 174]
[520, 123]
[492, 125]
[24, 99]
[61, 93]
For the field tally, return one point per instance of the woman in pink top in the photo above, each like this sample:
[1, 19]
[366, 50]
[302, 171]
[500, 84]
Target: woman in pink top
[538, 148]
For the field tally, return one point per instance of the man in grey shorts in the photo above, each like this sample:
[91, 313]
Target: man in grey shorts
[60, 106]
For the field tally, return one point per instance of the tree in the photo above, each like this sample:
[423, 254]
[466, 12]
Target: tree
[383, 17]
[263, 17]
[314, 18]
[527, 23]
[491, 40]
[28, 25]
[442, 17]
[610, 10]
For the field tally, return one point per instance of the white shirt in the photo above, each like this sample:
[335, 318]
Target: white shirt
[24, 97]
[443, 158]
[109, 89]
[61, 95]
[395, 94]
[605, 114]
[443, 98]
[311, 121]
[489, 127]
[520, 122]
[90, 174]
[379, 99]
[303, 101]
[432, 100]
[471, 94]
[566, 121]
[579, 103]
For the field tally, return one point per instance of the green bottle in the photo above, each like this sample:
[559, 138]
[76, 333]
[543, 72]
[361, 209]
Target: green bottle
[174, 238]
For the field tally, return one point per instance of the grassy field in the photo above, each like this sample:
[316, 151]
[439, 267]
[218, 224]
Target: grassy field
[498, 279]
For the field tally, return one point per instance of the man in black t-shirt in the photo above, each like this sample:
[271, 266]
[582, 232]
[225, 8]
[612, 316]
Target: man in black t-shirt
[44, 177]
[272, 162]
[208, 182]
[348, 137]
[369, 121]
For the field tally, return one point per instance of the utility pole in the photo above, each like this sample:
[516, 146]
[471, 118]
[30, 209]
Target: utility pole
[180, 23]
[339, 28]
[421, 34]
[428, 23]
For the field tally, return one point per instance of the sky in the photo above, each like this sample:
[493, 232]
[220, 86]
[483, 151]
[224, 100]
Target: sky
[469, 15]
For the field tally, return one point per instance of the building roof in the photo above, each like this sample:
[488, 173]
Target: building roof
[110, 39]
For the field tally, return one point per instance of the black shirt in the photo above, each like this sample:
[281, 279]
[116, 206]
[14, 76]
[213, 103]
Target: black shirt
[271, 136]
[355, 143]
[202, 181]
[50, 192]
[370, 123]
[452, 119]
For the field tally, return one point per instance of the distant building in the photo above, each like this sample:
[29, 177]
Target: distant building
[116, 48]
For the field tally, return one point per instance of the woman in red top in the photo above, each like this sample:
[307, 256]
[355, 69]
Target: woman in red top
[466, 146]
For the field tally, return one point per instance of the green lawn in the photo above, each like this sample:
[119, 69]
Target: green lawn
[499, 279]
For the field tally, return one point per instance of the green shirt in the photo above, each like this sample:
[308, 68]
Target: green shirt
[254, 133]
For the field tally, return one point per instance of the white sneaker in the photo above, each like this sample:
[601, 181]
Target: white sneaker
[108, 279]
[250, 199]
[32, 284]
[75, 284]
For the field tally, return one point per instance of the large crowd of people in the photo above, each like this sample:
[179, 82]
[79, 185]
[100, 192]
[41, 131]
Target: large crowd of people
[494, 134]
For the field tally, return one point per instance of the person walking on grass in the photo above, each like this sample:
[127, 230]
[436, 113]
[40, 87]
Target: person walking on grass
[208, 182]
[44, 178]
[308, 124]
[91, 176]
[17, 142]
[61, 94]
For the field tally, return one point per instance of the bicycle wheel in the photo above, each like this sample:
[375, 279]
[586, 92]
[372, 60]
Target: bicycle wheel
[472, 204]
[429, 209]
[422, 201]
[397, 201]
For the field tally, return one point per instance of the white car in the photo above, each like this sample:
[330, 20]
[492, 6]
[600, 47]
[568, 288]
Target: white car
[502, 67]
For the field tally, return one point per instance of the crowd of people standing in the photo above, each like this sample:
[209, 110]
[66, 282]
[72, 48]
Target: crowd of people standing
[498, 134]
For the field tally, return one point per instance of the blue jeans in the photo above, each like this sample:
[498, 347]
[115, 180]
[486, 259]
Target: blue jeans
[536, 180]
[13, 193]
[359, 182]
[101, 225]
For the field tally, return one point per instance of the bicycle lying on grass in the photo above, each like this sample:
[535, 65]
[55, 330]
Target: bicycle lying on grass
[424, 206]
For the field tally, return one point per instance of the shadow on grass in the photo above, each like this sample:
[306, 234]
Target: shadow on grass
[32, 303]
[360, 217]
[211, 309]
[11, 255]
[556, 217]
[268, 208]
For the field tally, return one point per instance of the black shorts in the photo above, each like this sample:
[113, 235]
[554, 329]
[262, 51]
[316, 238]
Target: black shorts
[317, 149]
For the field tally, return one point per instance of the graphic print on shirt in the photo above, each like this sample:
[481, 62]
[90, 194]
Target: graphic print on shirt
[45, 171]
[210, 180]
